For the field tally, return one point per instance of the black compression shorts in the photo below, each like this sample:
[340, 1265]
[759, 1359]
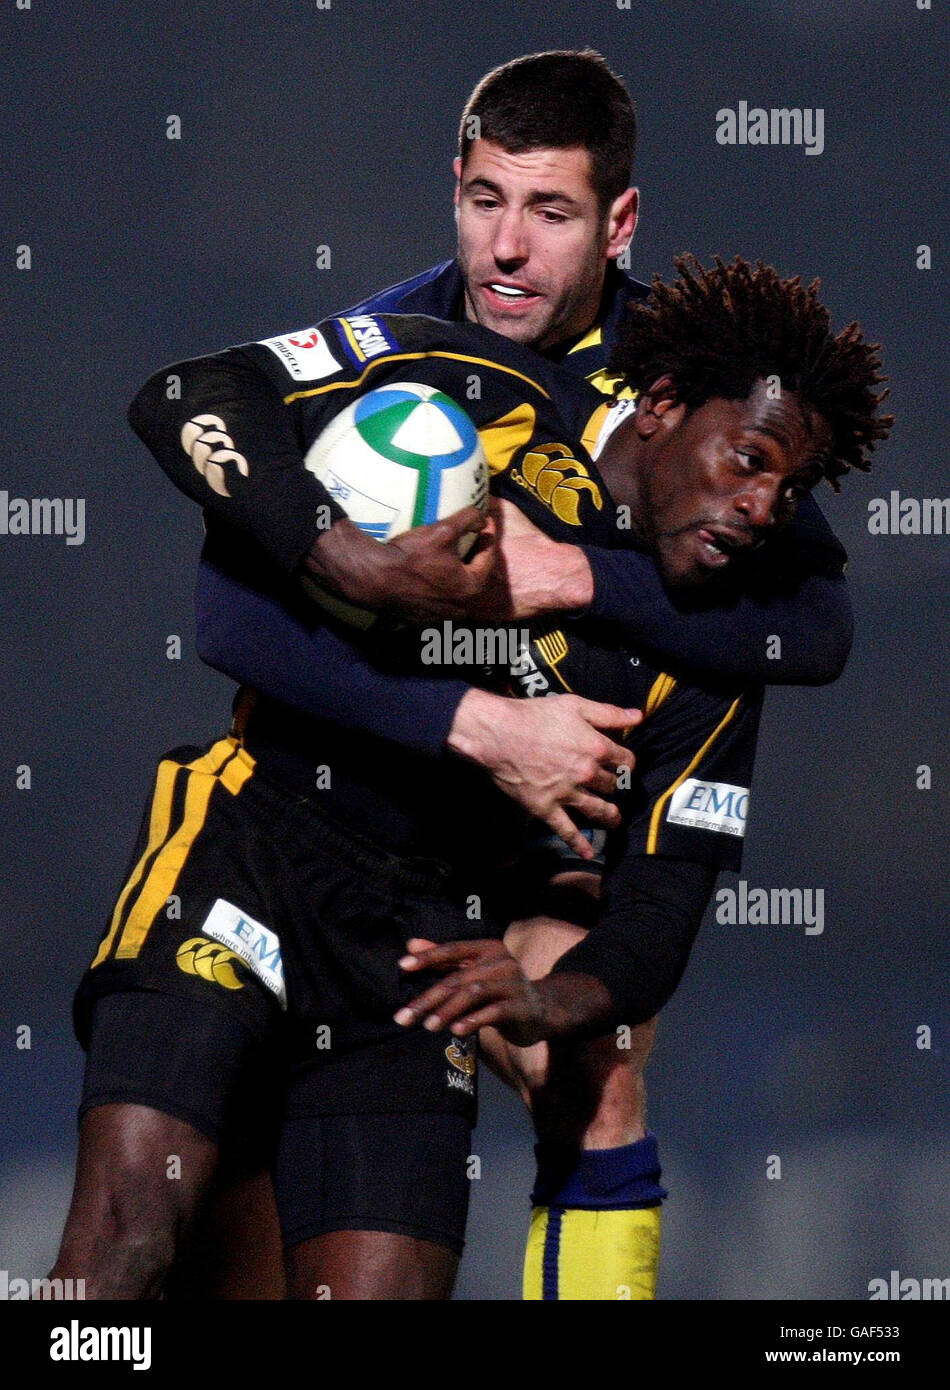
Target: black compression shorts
[401, 1173]
[244, 898]
[404, 1172]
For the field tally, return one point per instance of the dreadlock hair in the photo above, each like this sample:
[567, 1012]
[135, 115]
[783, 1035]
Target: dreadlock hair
[716, 331]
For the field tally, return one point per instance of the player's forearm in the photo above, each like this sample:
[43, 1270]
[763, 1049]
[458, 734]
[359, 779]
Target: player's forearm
[573, 1005]
[221, 432]
[252, 638]
[640, 946]
[737, 641]
[225, 436]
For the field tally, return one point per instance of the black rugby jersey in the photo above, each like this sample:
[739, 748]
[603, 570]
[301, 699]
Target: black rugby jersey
[231, 429]
[214, 447]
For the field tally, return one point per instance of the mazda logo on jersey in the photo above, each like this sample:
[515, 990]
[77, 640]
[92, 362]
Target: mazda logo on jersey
[559, 480]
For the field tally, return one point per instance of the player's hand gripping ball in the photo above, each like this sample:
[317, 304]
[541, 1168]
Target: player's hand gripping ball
[403, 455]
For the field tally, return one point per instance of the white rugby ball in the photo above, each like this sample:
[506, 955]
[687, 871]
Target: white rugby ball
[402, 456]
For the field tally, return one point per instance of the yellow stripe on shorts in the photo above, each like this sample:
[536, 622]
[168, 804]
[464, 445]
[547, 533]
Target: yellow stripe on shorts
[202, 775]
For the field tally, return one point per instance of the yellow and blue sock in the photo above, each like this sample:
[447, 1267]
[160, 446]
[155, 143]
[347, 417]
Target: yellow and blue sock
[595, 1223]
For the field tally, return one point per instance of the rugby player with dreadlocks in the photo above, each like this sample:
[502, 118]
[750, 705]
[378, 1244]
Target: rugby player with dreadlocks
[746, 400]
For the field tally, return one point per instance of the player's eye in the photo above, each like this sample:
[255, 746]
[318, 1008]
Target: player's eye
[485, 204]
[555, 218]
[749, 462]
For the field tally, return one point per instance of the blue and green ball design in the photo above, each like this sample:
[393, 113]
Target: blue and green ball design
[403, 455]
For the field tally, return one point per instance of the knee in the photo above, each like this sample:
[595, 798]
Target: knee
[118, 1248]
[136, 1192]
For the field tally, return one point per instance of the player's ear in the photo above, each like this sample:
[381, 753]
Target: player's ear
[658, 407]
[457, 170]
[622, 221]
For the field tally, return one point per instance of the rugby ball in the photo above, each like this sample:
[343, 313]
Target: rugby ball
[403, 455]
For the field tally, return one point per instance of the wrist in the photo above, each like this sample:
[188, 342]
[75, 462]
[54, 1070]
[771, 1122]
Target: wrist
[575, 584]
[349, 561]
[573, 1006]
[475, 716]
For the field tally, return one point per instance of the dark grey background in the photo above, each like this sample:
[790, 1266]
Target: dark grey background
[304, 127]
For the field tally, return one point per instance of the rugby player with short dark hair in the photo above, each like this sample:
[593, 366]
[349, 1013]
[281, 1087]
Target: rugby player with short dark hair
[544, 207]
[727, 471]
[523, 110]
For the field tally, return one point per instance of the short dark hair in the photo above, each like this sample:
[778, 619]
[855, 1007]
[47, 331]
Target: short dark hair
[557, 100]
[716, 332]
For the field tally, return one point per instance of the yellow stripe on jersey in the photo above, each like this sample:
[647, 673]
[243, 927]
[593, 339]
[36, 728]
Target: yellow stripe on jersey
[606, 383]
[593, 428]
[412, 357]
[656, 817]
[593, 338]
[159, 824]
[352, 341]
[204, 774]
[502, 438]
[553, 647]
[226, 762]
[660, 690]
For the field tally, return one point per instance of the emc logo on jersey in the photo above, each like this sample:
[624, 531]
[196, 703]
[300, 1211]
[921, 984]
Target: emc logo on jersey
[716, 806]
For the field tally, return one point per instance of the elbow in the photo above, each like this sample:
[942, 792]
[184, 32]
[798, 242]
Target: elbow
[830, 654]
[209, 642]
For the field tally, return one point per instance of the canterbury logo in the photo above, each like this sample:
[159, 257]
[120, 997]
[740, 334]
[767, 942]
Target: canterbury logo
[460, 1059]
[545, 470]
[209, 446]
[209, 961]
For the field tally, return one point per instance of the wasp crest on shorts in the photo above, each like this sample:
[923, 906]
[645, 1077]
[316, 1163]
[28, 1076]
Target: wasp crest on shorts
[209, 961]
[461, 1054]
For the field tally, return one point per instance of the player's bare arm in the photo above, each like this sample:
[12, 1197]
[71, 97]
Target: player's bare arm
[417, 576]
[541, 575]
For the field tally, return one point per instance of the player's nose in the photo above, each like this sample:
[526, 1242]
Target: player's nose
[758, 505]
[510, 243]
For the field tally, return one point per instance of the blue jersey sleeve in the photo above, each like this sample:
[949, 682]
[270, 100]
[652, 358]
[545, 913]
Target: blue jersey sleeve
[796, 592]
[251, 635]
